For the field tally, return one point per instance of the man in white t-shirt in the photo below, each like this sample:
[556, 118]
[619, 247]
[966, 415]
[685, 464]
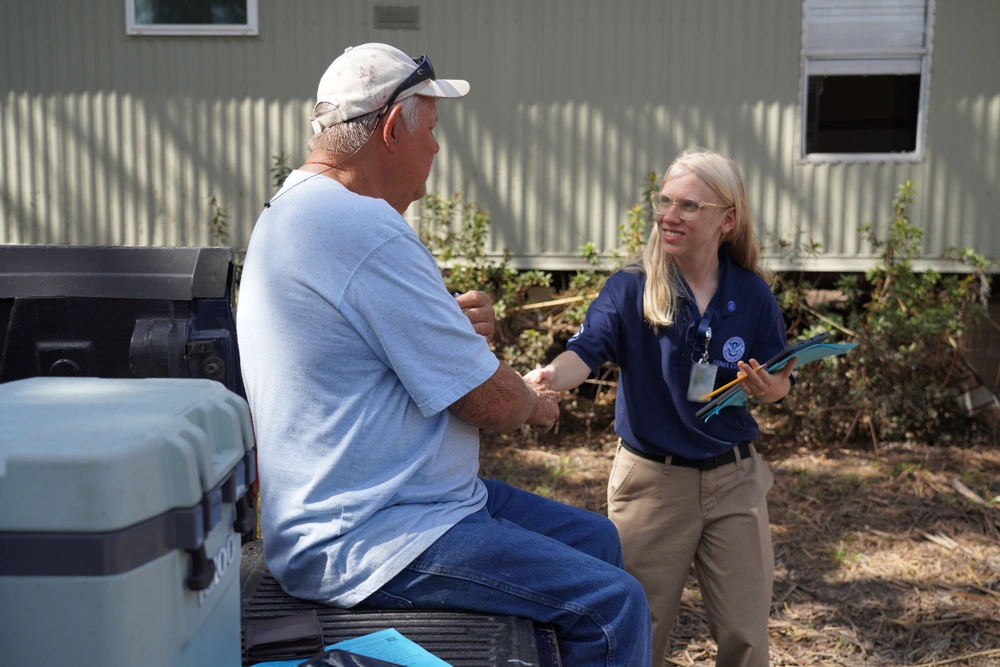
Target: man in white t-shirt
[368, 383]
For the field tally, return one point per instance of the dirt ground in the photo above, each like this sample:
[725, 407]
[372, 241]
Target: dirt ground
[883, 556]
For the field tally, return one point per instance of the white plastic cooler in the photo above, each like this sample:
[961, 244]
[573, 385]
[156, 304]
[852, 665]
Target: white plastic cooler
[121, 507]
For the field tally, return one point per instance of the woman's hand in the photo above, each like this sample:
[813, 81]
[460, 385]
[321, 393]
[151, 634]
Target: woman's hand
[541, 376]
[565, 372]
[764, 386]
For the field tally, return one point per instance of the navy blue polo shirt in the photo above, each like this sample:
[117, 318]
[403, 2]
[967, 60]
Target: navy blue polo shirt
[652, 413]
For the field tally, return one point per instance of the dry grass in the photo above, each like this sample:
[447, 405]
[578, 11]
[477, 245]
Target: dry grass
[884, 557]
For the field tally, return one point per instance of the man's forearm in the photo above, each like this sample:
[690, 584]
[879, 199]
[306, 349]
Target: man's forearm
[502, 403]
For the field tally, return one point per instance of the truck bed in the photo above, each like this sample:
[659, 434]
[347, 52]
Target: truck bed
[462, 639]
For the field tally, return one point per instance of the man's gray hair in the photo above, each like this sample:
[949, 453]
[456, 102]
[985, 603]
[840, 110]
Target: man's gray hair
[349, 136]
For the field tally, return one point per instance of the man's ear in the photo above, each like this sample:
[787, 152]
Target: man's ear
[392, 125]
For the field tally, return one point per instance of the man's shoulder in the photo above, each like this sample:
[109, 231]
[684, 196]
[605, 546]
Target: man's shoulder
[345, 218]
[304, 189]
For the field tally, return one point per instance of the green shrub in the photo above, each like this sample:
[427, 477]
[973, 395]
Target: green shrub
[218, 223]
[632, 237]
[896, 384]
[280, 170]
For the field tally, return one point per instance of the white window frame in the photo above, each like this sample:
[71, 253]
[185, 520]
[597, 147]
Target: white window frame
[808, 56]
[193, 29]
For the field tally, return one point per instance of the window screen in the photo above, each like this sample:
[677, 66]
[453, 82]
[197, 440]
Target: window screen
[864, 78]
[191, 17]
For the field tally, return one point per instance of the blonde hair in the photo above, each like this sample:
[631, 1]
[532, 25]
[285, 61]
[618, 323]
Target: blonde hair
[723, 177]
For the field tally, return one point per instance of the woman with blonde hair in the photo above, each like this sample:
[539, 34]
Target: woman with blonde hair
[692, 313]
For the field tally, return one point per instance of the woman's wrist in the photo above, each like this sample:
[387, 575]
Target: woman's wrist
[776, 392]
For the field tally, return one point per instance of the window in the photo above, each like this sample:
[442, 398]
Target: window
[865, 73]
[191, 17]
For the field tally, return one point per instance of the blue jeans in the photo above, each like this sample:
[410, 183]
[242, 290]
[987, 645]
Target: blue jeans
[524, 555]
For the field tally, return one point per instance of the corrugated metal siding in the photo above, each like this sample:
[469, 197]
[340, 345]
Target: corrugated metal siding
[113, 139]
[123, 140]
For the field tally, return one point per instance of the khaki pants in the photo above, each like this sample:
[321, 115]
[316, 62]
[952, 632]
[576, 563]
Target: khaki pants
[669, 516]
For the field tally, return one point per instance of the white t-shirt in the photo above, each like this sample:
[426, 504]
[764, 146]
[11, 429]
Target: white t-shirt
[352, 350]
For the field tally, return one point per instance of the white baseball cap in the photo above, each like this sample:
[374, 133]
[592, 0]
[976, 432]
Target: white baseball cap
[364, 78]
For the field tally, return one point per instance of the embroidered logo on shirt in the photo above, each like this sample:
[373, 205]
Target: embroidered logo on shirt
[733, 348]
[731, 306]
[576, 335]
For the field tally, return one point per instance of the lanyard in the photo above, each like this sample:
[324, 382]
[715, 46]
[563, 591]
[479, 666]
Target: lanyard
[704, 335]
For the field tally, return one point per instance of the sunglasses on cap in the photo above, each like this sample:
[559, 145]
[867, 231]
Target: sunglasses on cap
[424, 72]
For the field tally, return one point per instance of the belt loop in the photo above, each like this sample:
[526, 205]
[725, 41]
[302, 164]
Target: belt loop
[739, 455]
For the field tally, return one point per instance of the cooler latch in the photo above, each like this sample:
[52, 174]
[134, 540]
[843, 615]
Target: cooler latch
[235, 489]
[202, 569]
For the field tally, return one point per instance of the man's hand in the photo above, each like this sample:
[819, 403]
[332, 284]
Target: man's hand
[478, 307]
[546, 410]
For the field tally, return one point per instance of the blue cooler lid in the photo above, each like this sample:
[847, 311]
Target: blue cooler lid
[98, 454]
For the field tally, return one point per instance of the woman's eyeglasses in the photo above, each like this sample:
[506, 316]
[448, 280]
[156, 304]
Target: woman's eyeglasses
[687, 209]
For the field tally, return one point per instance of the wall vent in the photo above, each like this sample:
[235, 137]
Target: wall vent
[397, 18]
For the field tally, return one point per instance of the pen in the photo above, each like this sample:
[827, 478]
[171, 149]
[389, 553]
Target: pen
[730, 384]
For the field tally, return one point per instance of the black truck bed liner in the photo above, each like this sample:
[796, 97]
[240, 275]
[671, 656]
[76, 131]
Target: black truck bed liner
[462, 639]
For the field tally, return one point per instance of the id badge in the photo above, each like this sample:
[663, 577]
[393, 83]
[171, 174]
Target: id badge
[702, 381]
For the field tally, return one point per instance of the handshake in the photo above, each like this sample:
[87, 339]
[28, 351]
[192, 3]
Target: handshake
[546, 399]
[565, 372]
